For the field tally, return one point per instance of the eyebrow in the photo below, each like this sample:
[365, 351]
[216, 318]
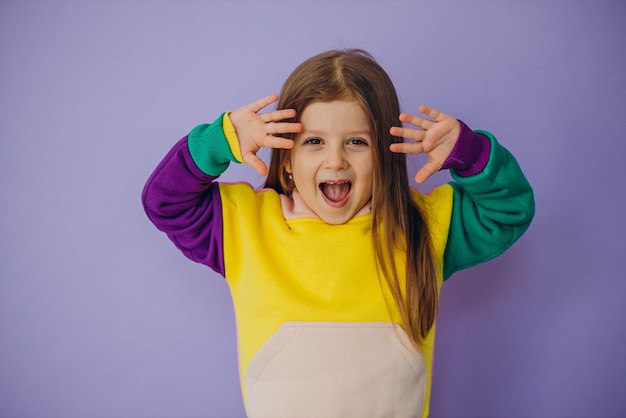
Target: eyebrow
[322, 133]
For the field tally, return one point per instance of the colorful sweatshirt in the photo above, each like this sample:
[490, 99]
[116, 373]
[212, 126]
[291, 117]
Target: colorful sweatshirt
[319, 334]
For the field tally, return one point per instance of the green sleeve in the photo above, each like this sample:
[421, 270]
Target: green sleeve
[209, 147]
[490, 211]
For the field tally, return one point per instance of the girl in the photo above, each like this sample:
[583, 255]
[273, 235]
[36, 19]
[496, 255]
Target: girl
[335, 266]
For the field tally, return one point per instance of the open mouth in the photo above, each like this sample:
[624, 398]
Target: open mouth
[336, 193]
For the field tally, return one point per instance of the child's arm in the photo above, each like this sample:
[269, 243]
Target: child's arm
[493, 203]
[492, 207]
[181, 197]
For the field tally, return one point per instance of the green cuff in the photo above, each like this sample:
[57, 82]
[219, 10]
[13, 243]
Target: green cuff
[209, 148]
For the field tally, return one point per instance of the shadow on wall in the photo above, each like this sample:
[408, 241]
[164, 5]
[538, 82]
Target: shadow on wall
[518, 321]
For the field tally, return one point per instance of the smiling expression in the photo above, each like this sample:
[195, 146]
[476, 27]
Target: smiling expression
[332, 160]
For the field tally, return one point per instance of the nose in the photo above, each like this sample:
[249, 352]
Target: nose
[335, 159]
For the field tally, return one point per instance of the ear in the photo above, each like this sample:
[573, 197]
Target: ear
[287, 166]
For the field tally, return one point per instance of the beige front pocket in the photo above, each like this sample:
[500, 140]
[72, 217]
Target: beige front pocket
[336, 369]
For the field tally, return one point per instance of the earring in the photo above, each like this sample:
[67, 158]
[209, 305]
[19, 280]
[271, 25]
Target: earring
[289, 176]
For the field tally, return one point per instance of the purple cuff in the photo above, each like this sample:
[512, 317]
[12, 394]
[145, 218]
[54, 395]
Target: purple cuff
[470, 154]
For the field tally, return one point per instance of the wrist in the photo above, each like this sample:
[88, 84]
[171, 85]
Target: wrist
[470, 153]
[209, 147]
[231, 136]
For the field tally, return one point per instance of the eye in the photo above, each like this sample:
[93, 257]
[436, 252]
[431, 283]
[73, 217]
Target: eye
[357, 141]
[313, 141]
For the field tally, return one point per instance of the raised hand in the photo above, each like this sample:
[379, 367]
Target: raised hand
[256, 130]
[436, 136]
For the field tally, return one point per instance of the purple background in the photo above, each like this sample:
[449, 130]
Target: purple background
[100, 316]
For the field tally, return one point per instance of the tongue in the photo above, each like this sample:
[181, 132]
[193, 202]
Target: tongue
[335, 191]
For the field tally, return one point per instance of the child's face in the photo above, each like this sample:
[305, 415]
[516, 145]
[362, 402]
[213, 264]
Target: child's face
[332, 160]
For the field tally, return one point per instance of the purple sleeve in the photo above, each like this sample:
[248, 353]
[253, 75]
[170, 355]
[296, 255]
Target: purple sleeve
[470, 153]
[185, 203]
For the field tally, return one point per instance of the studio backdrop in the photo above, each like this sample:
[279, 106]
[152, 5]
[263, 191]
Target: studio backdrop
[101, 316]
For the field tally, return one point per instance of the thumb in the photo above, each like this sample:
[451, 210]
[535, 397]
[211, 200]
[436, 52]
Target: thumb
[256, 163]
[427, 170]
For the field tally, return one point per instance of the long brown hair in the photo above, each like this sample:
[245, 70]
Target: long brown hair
[396, 219]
